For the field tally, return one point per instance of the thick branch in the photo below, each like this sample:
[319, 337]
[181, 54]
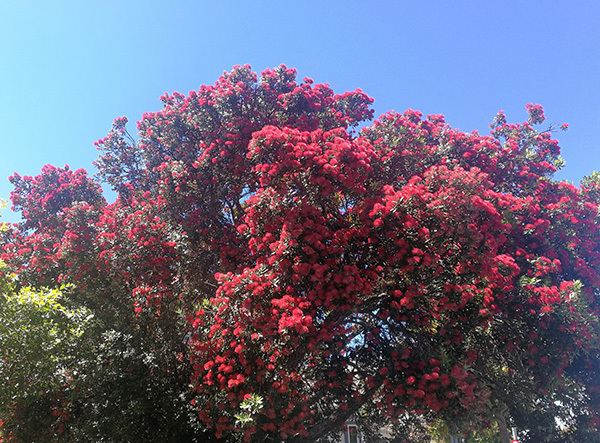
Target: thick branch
[333, 423]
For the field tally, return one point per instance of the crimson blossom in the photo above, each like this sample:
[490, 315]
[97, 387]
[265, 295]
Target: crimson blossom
[268, 252]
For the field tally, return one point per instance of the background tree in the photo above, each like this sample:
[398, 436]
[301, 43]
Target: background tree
[68, 378]
[296, 271]
[38, 340]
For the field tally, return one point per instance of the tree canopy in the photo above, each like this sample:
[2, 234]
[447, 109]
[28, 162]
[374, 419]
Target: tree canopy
[278, 266]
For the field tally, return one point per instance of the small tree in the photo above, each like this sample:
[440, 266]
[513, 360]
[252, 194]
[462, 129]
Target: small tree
[297, 272]
[39, 338]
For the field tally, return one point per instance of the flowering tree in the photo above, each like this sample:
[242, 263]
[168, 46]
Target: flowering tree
[298, 272]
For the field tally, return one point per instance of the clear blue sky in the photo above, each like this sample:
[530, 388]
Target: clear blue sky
[68, 68]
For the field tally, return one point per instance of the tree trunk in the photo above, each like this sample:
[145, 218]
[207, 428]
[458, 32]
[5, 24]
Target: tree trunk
[333, 422]
[504, 435]
[326, 426]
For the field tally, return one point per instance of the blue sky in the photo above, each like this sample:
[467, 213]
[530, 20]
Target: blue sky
[68, 68]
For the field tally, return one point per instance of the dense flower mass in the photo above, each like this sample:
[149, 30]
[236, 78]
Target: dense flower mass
[407, 269]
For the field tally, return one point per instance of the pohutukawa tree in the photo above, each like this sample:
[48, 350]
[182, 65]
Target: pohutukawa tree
[295, 271]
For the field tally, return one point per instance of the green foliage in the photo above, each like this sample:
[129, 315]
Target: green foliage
[39, 341]
[63, 370]
[440, 431]
[251, 405]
